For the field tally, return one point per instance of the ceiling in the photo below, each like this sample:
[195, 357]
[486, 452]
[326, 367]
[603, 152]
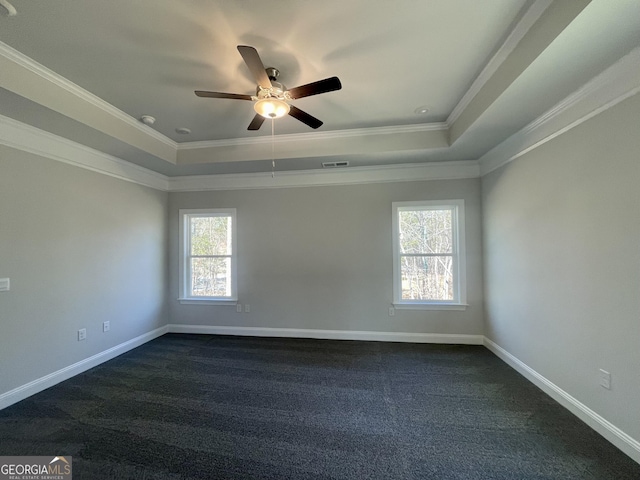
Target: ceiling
[88, 70]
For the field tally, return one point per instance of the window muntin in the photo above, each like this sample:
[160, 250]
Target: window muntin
[208, 248]
[429, 253]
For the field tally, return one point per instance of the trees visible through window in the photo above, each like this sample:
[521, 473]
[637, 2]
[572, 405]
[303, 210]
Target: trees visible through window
[427, 252]
[208, 262]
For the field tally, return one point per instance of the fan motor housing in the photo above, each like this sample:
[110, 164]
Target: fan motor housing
[272, 98]
[273, 73]
[277, 89]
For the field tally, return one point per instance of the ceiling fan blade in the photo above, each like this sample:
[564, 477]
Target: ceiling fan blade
[235, 96]
[304, 117]
[321, 86]
[256, 67]
[257, 122]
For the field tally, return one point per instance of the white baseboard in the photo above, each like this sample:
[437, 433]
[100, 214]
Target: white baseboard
[329, 334]
[624, 442]
[31, 388]
[617, 437]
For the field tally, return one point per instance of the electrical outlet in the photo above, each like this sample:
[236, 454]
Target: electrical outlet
[82, 334]
[605, 379]
[392, 311]
[106, 326]
[247, 308]
[239, 307]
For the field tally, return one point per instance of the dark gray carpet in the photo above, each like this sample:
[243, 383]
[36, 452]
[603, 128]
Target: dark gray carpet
[212, 407]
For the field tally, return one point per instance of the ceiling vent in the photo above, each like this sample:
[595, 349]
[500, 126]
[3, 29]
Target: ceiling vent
[334, 164]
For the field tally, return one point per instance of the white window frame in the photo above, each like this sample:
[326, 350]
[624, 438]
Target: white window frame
[459, 301]
[185, 249]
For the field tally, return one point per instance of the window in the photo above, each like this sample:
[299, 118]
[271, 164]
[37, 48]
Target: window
[208, 256]
[428, 255]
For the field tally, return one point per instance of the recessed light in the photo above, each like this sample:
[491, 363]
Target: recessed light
[183, 131]
[421, 110]
[147, 120]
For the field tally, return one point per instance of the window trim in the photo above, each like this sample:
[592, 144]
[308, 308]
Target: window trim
[184, 243]
[459, 301]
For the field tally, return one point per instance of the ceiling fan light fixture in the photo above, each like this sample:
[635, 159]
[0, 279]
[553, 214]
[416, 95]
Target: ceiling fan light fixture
[271, 107]
[272, 96]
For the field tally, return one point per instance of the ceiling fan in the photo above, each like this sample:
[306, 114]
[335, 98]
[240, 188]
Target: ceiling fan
[272, 97]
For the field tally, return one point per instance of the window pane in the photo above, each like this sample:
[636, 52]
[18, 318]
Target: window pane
[211, 277]
[210, 235]
[427, 278]
[426, 231]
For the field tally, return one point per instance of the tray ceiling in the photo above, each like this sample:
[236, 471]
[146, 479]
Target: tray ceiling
[88, 70]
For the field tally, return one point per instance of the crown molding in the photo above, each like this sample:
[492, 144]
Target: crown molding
[30, 139]
[33, 140]
[524, 23]
[314, 178]
[319, 145]
[326, 135]
[612, 81]
[615, 84]
[547, 28]
[49, 75]
[169, 149]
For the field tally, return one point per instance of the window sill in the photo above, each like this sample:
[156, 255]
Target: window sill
[430, 306]
[207, 301]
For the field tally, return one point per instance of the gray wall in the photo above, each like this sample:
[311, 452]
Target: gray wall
[80, 248]
[321, 258]
[562, 261]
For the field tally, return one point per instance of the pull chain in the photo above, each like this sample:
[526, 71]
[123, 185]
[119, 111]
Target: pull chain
[273, 158]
